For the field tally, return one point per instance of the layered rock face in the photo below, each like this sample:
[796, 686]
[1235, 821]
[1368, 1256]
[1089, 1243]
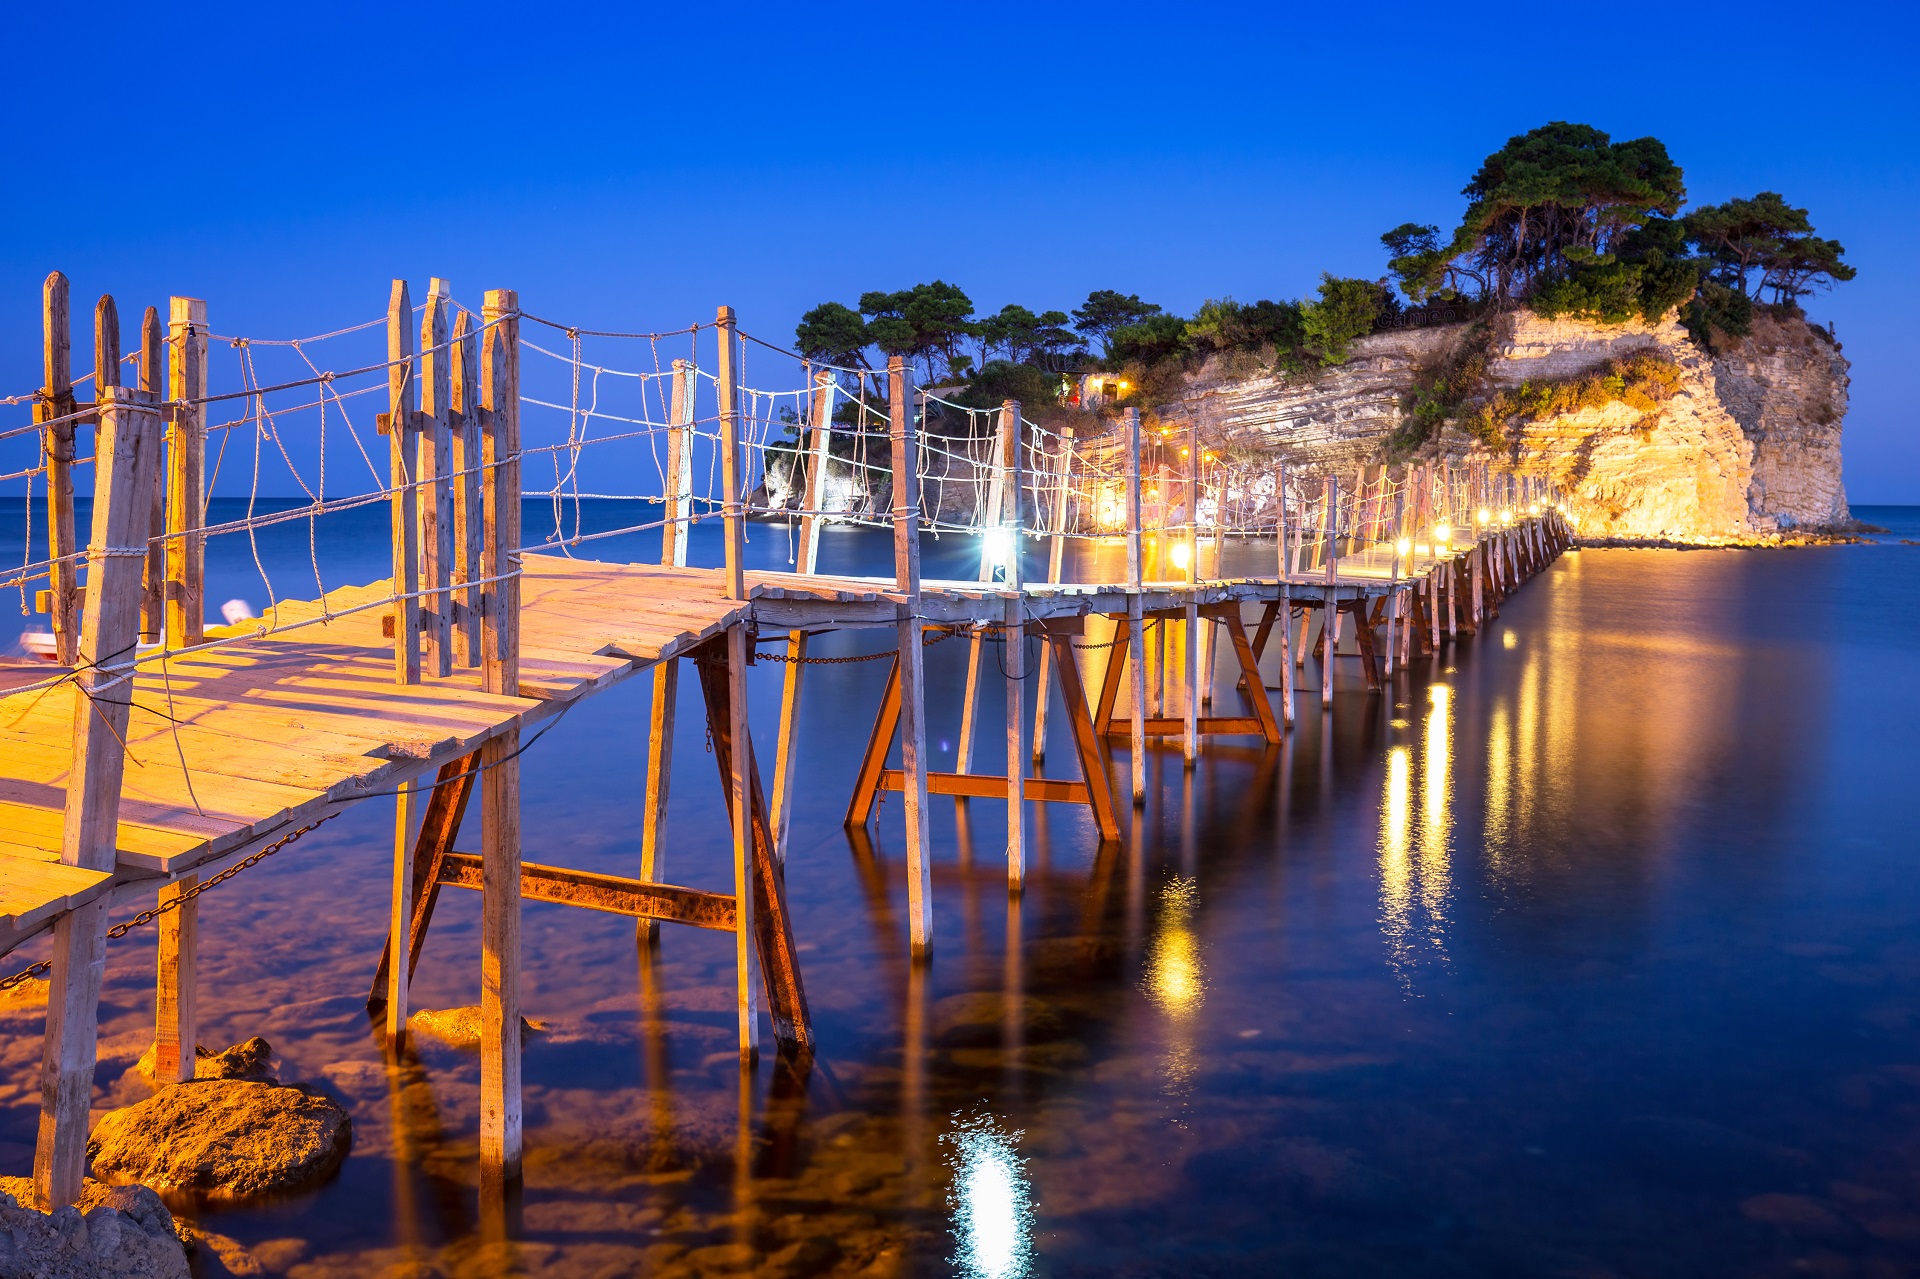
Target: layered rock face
[1786, 384]
[1750, 442]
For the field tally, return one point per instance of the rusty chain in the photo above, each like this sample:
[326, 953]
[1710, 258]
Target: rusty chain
[146, 917]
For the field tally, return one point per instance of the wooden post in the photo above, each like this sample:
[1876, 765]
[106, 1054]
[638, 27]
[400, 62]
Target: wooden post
[175, 1020]
[727, 387]
[1330, 610]
[55, 407]
[813, 499]
[403, 471]
[186, 472]
[913, 725]
[1015, 648]
[435, 454]
[740, 799]
[468, 526]
[678, 507]
[126, 451]
[976, 643]
[1056, 564]
[1136, 617]
[1398, 533]
[153, 379]
[400, 919]
[1285, 602]
[500, 1134]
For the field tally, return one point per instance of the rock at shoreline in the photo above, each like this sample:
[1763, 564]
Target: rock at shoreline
[112, 1230]
[459, 1027]
[250, 1060]
[224, 1138]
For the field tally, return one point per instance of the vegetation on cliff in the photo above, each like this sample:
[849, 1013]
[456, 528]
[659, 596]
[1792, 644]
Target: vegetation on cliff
[1570, 223]
[1643, 382]
[1562, 220]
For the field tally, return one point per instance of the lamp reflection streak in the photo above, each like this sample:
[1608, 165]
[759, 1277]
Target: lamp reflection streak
[1416, 864]
[1176, 978]
[990, 1198]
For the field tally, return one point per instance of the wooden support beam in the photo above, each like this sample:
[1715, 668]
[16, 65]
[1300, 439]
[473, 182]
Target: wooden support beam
[55, 407]
[732, 496]
[500, 1113]
[1013, 630]
[734, 731]
[403, 474]
[435, 460]
[913, 702]
[1136, 620]
[1190, 701]
[469, 523]
[769, 921]
[666, 675]
[1053, 790]
[186, 472]
[406, 810]
[175, 1012]
[445, 808]
[127, 449]
[873, 761]
[609, 893]
[1088, 745]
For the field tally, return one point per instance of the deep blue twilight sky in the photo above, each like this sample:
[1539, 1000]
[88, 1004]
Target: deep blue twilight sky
[631, 166]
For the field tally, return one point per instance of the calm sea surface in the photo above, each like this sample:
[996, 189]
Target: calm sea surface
[1593, 949]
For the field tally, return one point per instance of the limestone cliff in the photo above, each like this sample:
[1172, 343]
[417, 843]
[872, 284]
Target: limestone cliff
[1749, 442]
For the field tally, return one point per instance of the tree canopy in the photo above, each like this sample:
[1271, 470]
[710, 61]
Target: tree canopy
[1762, 242]
[1572, 223]
[1106, 311]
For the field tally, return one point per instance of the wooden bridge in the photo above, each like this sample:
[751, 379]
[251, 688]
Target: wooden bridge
[425, 687]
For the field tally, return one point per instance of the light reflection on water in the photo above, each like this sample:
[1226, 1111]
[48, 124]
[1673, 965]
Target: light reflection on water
[1416, 867]
[990, 1199]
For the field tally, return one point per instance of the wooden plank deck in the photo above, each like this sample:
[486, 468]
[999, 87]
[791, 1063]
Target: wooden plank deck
[230, 747]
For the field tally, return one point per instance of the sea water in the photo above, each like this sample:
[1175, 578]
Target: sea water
[1592, 947]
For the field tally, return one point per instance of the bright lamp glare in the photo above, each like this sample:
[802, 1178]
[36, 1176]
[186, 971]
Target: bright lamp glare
[1181, 555]
[1403, 548]
[1443, 532]
[999, 546]
[1484, 516]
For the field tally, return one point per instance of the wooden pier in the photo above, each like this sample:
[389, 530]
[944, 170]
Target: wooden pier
[426, 686]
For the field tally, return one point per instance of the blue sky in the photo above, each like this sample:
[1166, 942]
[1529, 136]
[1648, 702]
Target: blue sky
[631, 167]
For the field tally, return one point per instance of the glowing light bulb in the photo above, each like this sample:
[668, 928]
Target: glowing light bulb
[1506, 516]
[1182, 556]
[1403, 548]
[1443, 532]
[1534, 509]
[999, 545]
[1484, 516]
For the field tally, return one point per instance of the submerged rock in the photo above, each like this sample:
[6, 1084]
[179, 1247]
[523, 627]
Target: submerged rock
[111, 1230]
[459, 1027]
[250, 1060]
[224, 1138]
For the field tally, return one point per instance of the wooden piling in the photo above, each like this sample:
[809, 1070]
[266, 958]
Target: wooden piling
[55, 407]
[677, 505]
[186, 472]
[175, 1019]
[740, 801]
[732, 502]
[913, 728]
[1014, 648]
[1136, 618]
[500, 1115]
[1284, 613]
[400, 914]
[127, 449]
